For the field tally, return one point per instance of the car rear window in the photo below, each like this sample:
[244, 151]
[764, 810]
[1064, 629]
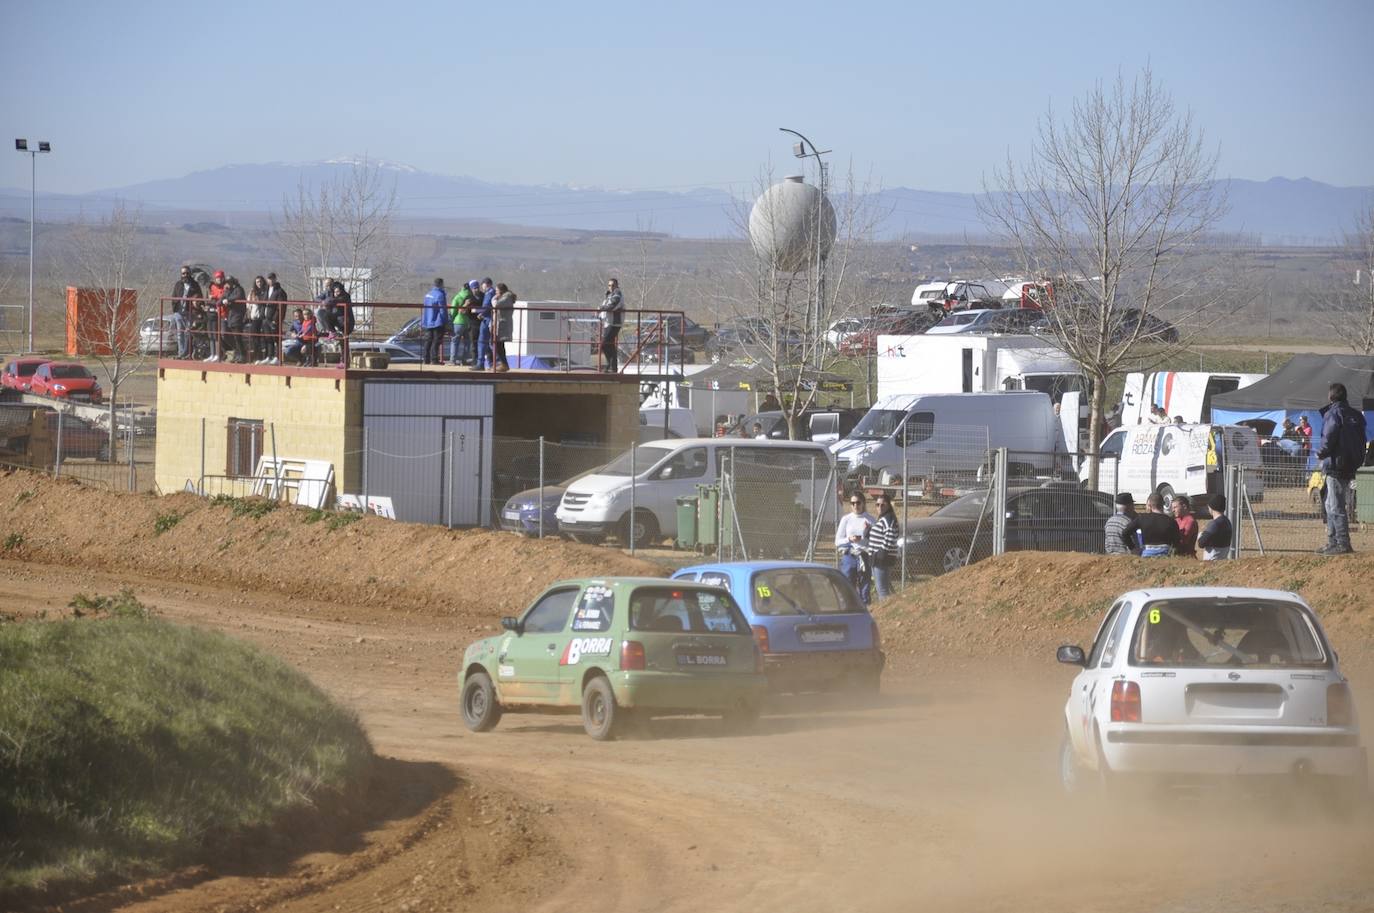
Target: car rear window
[695, 611]
[595, 609]
[1204, 633]
[802, 591]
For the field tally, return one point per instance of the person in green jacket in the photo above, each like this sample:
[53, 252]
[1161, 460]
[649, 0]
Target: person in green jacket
[464, 326]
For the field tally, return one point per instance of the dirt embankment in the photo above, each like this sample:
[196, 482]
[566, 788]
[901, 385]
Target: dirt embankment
[1024, 604]
[403, 567]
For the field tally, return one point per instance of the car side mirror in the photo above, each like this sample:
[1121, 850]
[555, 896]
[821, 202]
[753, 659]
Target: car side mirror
[513, 624]
[1071, 656]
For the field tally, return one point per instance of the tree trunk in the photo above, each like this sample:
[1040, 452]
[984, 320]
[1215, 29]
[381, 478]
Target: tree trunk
[1095, 413]
[114, 392]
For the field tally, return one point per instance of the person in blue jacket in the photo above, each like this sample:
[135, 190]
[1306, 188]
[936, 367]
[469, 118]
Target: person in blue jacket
[484, 314]
[432, 320]
[1342, 452]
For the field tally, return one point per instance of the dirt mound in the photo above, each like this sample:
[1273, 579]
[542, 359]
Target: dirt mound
[1024, 604]
[345, 558]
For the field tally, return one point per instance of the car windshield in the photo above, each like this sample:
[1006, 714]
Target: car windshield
[70, 371]
[1213, 632]
[802, 591]
[969, 507]
[639, 459]
[878, 425]
[671, 610]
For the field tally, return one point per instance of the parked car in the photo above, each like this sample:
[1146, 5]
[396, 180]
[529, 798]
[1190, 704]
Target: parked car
[865, 342]
[617, 647]
[811, 626]
[840, 330]
[411, 337]
[1009, 320]
[398, 354]
[65, 380]
[1211, 685]
[522, 509]
[1052, 517]
[680, 330]
[155, 336]
[822, 425]
[750, 335]
[18, 373]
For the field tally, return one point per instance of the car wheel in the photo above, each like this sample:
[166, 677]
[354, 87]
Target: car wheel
[953, 558]
[481, 712]
[743, 718]
[589, 538]
[1167, 493]
[601, 715]
[644, 531]
[1073, 779]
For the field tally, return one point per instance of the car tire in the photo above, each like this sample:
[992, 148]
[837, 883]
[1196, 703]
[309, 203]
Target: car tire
[1167, 493]
[1073, 779]
[741, 719]
[644, 530]
[481, 711]
[601, 715]
[589, 538]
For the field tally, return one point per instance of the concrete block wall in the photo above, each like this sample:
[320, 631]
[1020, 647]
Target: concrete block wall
[315, 418]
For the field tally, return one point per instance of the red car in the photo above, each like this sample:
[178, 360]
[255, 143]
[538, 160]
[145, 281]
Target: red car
[65, 380]
[19, 372]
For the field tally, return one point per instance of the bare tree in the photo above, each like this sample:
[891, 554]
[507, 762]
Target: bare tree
[783, 310]
[345, 224]
[112, 263]
[1351, 314]
[1112, 209]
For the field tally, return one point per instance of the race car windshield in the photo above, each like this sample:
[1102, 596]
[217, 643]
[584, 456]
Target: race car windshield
[673, 610]
[802, 591]
[1206, 633]
[878, 425]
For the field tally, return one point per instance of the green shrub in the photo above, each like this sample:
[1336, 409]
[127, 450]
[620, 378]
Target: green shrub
[129, 746]
[13, 541]
[124, 605]
[246, 507]
[165, 522]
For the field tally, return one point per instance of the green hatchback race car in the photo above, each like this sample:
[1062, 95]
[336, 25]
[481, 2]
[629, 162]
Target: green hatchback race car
[618, 648]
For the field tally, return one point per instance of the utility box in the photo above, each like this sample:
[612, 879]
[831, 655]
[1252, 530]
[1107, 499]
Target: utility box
[101, 321]
[557, 332]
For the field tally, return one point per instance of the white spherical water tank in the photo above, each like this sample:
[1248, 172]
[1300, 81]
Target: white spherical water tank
[785, 223]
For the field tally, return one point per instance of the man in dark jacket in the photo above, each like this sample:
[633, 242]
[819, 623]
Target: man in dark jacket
[1215, 540]
[235, 322]
[276, 294]
[432, 321]
[1158, 531]
[612, 319]
[186, 288]
[1341, 452]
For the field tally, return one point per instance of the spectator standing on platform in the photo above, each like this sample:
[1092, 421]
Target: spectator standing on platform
[484, 311]
[214, 312]
[310, 338]
[503, 325]
[612, 312]
[185, 292]
[235, 303]
[460, 347]
[257, 319]
[432, 321]
[276, 314]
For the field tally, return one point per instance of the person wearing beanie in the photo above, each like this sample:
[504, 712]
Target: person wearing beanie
[1215, 540]
[432, 321]
[1120, 528]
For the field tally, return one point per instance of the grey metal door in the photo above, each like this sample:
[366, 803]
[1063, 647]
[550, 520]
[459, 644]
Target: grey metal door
[463, 473]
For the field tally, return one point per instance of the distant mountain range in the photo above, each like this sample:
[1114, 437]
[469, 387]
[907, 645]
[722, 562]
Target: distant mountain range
[1276, 211]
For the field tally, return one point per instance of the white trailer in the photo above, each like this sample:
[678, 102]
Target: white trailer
[960, 363]
[1185, 394]
[564, 332]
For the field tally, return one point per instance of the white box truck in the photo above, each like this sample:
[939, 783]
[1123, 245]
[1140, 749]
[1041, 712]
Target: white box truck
[1185, 394]
[974, 364]
[946, 435]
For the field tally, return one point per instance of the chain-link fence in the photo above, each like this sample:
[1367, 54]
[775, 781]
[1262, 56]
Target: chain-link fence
[67, 445]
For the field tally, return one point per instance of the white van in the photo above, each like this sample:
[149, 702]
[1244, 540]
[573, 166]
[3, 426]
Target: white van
[657, 423]
[1185, 394]
[662, 471]
[1177, 459]
[934, 434]
[930, 294]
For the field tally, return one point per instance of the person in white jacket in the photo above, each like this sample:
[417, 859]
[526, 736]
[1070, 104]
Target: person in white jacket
[851, 541]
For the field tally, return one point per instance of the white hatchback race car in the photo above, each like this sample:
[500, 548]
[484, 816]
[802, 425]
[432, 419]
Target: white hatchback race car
[1195, 685]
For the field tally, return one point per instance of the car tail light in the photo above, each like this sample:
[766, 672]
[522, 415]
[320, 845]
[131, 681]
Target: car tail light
[631, 656]
[761, 638]
[877, 637]
[1125, 702]
[1338, 705]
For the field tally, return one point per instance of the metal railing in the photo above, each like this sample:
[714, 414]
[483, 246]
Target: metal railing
[548, 337]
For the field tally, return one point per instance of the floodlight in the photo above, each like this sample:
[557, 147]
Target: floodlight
[21, 145]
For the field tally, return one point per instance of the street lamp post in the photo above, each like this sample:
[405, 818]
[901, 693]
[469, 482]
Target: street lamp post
[22, 145]
[799, 149]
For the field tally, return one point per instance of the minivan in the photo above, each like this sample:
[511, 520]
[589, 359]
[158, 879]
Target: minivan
[933, 434]
[655, 474]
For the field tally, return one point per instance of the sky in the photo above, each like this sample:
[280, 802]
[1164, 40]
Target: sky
[663, 95]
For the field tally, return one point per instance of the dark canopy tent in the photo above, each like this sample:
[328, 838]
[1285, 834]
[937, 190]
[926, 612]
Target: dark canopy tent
[1300, 388]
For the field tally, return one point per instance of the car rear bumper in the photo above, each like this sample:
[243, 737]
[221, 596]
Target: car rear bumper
[1234, 751]
[790, 671]
[687, 692]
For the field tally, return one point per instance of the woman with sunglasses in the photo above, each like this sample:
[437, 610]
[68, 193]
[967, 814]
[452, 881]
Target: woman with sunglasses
[882, 545]
[851, 541]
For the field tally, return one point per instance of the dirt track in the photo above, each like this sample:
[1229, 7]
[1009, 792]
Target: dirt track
[942, 797]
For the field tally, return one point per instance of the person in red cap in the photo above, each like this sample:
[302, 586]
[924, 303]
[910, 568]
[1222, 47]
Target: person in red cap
[214, 313]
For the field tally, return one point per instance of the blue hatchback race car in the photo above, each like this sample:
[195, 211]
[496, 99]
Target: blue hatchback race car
[813, 629]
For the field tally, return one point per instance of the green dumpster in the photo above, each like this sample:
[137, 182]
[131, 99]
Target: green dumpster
[1364, 488]
[686, 522]
[708, 503]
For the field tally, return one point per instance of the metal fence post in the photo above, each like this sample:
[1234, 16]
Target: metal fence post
[366, 454]
[811, 512]
[448, 481]
[906, 512]
[276, 464]
[630, 524]
[200, 487]
[133, 472]
[1233, 507]
[999, 505]
[57, 457]
[540, 505]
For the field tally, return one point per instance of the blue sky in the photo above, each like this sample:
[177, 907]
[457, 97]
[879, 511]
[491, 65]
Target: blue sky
[661, 95]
